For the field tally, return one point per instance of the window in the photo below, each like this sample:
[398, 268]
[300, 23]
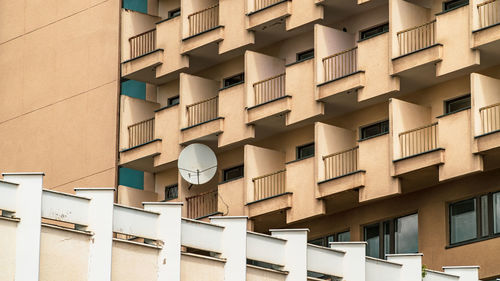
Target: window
[457, 104]
[239, 78]
[450, 5]
[171, 192]
[374, 31]
[397, 236]
[174, 13]
[173, 100]
[305, 151]
[375, 129]
[475, 218]
[233, 173]
[338, 237]
[305, 55]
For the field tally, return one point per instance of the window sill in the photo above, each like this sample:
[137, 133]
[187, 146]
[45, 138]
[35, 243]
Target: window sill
[230, 86]
[230, 180]
[299, 61]
[471, 241]
[381, 134]
[370, 37]
[452, 9]
[453, 112]
[165, 107]
[299, 159]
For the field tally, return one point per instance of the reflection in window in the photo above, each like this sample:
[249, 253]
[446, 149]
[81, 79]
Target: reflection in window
[406, 234]
[373, 239]
[463, 221]
[496, 212]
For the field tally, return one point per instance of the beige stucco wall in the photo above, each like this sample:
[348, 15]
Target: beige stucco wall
[304, 12]
[168, 130]
[134, 197]
[232, 195]
[64, 254]
[206, 268]
[164, 6]
[233, 18]
[484, 92]
[8, 246]
[168, 36]
[257, 274]
[133, 262]
[59, 84]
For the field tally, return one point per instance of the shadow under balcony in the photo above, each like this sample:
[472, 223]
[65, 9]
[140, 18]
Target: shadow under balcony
[204, 122]
[418, 50]
[270, 194]
[143, 147]
[267, 12]
[486, 36]
[204, 29]
[270, 99]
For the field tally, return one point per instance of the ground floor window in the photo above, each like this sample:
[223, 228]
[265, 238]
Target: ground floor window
[344, 236]
[396, 236]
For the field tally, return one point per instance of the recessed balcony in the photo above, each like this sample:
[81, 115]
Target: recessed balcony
[203, 29]
[202, 120]
[269, 194]
[270, 99]
[143, 146]
[202, 205]
[267, 12]
[486, 17]
[490, 128]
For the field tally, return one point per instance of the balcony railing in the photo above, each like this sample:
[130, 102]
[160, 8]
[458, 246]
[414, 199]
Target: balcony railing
[203, 20]
[269, 185]
[141, 132]
[269, 89]
[261, 4]
[417, 38]
[202, 205]
[341, 64]
[488, 13]
[142, 43]
[490, 118]
[203, 111]
[341, 163]
[419, 140]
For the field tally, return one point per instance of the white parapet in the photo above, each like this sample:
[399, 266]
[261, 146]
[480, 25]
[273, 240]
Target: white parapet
[353, 263]
[324, 260]
[8, 191]
[134, 221]
[295, 252]
[201, 235]
[412, 265]
[265, 248]
[65, 207]
[466, 273]
[382, 270]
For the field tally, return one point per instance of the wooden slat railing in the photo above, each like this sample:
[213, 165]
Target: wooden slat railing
[341, 64]
[203, 20]
[490, 118]
[341, 163]
[203, 111]
[141, 132]
[416, 38]
[489, 11]
[201, 205]
[269, 89]
[261, 4]
[142, 43]
[269, 185]
[419, 140]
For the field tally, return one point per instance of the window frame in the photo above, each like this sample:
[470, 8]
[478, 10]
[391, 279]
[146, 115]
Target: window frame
[335, 235]
[445, 3]
[170, 103]
[382, 25]
[298, 149]
[299, 54]
[172, 13]
[491, 212]
[224, 171]
[242, 74]
[447, 102]
[169, 187]
[361, 137]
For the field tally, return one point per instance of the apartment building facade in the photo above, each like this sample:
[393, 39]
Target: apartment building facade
[371, 120]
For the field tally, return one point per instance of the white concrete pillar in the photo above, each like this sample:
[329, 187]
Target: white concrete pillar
[354, 259]
[29, 210]
[169, 232]
[412, 265]
[101, 224]
[295, 252]
[466, 273]
[234, 237]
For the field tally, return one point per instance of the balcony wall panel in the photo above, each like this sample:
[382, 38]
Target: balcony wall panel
[304, 12]
[233, 19]
[8, 245]
[456, 137]
[259, 67]
[134, 197]
[300, 85]
[133, 262]
[453, 30]
[484, 92]
[167, 129]
[133, 111]
[133, 23]
[194, 89]
[231, 200]
[168, 38]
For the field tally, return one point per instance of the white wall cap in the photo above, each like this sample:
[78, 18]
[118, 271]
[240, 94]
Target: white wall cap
[24, 174]
[404, 255]
[461, 267]
[94, 188]
[442, 273]
[289, 230]
[136, 209]
[326, 248]
[265, 235]
[349, 242]
[228, 217]
[164, 203]
[383, 261]
[65, 194]
[8, 182]
[201, 222]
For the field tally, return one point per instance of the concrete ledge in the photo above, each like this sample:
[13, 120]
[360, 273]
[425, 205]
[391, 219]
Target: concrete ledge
[347, 83]
[269, 205]
[487, 142]
[268, 109]
[201, 39]
[418, 161]
[486, 36]
[428, 55]
[148, 150]
[340, 184]
[202, 130]
[141, 68]
[269, 14]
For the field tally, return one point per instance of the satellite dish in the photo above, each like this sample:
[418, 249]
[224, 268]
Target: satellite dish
[197, 163]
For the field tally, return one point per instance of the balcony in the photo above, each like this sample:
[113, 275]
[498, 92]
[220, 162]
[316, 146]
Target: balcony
[417, 48]
[142, 146]
[202, 205]
[203, 28]
[269, 193]
[270, 99]
[144, 57]
[341, 75]
[486, 28]
[202, 119]
[267, 12]
[488, 140]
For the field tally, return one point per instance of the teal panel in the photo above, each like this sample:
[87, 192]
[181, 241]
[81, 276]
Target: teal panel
[136, 5]
[131, 178]
[134, 89]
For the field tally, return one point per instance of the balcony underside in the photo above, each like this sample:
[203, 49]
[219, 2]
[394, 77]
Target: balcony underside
[143, 68]
[332, 187]
[336, 90]
[269, 16]
[418, 61]
[342, 201]
[206, 131]
[268, 109]
[270, 205]
[141, 157]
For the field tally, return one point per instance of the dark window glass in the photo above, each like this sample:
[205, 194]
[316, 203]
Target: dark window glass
[305, 55]
[463, 221]
[233, 173]
[484, 216]
[374, 31]
[457, 104]
[318, 242]
[496, 212]
[387, 238]
[372, 238]
[375, 129]
[454, 4]
[406, 234]
[174, 13]
[305, 151]
[344, 236]
[171, 192]
[234, 79]
[173, 100]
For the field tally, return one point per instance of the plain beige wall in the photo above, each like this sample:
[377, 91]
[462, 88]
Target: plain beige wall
[205, 268]
[8, 246]
[257, 274]
[169, 39]
[133, 262]
[304, 12]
